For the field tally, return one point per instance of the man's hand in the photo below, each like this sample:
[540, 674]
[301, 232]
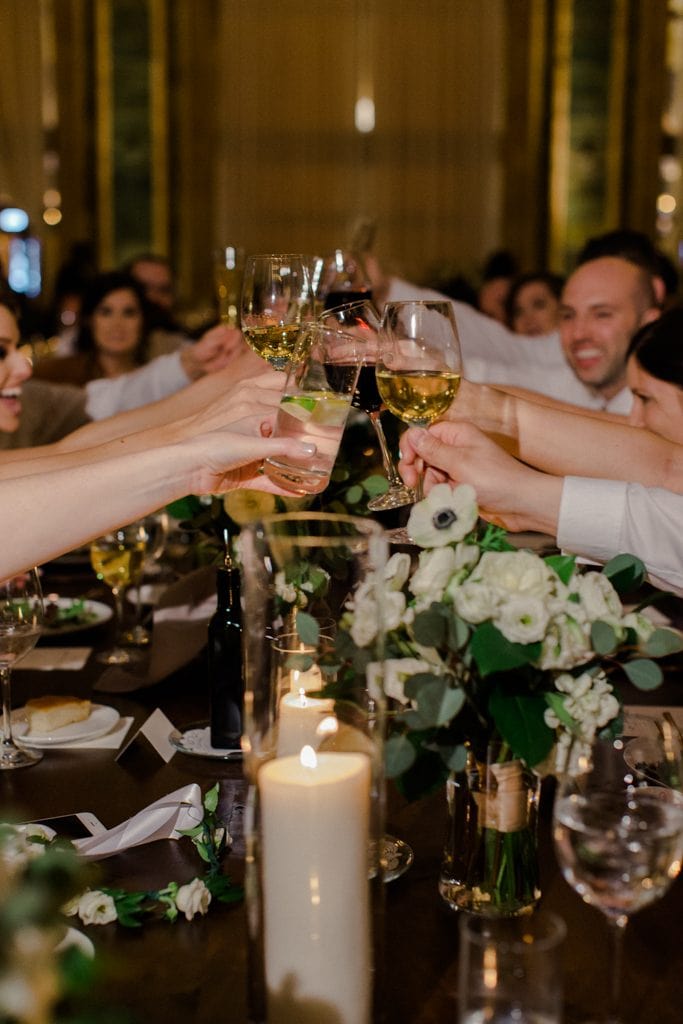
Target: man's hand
[509, 493]
[215, 349]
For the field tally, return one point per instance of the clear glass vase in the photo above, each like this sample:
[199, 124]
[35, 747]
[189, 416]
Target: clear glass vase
[490, 863]
[313, 755]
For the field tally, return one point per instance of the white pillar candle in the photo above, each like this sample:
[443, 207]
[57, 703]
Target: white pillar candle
[298, 722]
[310, 679]
[316, 911]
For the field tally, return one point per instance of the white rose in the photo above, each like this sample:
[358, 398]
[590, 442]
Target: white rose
[522, 620]
[599, 598]
[287, 591]
[566, 644]
[193, 898]
[474, 601]
[447, 514]
[433, 573]
[397, 570]
[95, 907]
[364, 626]
[515, 573]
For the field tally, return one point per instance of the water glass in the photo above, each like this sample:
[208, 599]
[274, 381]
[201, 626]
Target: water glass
[315, 403]
[510, 969]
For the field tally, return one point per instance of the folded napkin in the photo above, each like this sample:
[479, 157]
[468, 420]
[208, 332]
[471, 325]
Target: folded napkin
[179, 633]
[164, 819]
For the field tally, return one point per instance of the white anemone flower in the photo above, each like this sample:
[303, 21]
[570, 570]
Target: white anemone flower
[447, 514]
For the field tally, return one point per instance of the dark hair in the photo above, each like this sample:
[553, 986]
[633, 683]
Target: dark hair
[98, 289]
[553, 282]
[658, 347]
[636, 247]
[499, 264]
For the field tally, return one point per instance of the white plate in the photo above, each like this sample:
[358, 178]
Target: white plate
[197, 741]
[100, 612]
[100, 721]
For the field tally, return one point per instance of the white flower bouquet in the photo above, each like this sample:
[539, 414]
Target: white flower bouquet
[486, 642]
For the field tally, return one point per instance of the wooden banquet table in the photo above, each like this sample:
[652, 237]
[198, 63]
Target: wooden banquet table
[196, 971]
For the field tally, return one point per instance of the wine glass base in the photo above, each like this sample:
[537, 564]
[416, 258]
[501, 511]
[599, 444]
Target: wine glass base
[117, 656]
[13, 757]
[138, 636]
[396, 497]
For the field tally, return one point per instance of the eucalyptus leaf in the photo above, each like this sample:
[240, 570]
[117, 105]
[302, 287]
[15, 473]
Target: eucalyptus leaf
[458, 632]
[625, 573]
[664, 642]
[399, 755]
[644, 674]
[563, 565]
[603, 637]
[429, 627]
[354, 494]
[437, 701]
[455, 758]
[307, 627]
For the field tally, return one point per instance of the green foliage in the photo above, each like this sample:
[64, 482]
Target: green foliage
[625, 573]
[492, 652]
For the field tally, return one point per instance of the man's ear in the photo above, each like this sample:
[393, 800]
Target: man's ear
[660, 291]
[651, 314]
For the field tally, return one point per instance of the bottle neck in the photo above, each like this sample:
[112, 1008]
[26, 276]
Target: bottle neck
[227, 588]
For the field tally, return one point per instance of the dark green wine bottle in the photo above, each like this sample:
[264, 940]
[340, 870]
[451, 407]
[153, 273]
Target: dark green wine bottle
[226, 678]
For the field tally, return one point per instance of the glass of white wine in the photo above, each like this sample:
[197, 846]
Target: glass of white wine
[276, 297]
[618, 840]
[117, 558]
[419, 365]
[21, 619]
[155, 529]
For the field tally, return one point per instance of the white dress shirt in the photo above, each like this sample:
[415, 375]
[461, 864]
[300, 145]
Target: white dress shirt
[602, 518]
[161, 377]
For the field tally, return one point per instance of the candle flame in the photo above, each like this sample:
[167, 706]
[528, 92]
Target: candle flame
[302, 697]
[308, 758]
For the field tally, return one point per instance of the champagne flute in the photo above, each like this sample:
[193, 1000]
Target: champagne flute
[155, 529]
[117, 557]
[21, 618]
[618, 841]
[276, 297]
[419, 364]
[362, 319]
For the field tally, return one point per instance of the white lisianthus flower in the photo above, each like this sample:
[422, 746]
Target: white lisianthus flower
[641, 625]
[447, 514]
[193, 898]
[599, 598]
[434, 570]
[364, 626]
[393, 609]
[475, 601]
[522, 620]
[397, 670]
[466, 555]
[95, 907]
[287, 591]
[397, 570]
[515, 573]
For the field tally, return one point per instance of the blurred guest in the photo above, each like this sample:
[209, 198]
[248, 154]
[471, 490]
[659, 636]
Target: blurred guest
[497, 277]
[113, 337]
[533, 303]
[155, 276]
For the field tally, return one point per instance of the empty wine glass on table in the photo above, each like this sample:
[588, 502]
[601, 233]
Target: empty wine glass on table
[155, 529]
[362, 319]
[418, 367]
[618, 840]
[21, 618]
[276, 298]
[118, 557]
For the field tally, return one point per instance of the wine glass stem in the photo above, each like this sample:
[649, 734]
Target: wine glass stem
[5, 676]
[420, 485]
[118, 613]
[617, 927]
[390, 470]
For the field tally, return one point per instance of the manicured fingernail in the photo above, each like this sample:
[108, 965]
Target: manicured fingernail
[308, 449]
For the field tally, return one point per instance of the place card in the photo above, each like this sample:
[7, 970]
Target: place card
[49, 659]
[150, 743]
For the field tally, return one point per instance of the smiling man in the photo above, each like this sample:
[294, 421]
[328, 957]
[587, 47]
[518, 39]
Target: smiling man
[604, 302]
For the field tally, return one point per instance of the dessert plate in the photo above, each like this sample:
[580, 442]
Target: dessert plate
[100, 721]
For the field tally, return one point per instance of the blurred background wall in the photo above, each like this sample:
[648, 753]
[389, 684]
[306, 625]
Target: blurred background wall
[449, 128]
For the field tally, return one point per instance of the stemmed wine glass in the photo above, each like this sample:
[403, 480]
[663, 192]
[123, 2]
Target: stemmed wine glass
[155, 529]
[618, 840]
[276, 297]
[117, 557]
[362, 319]
[419, 364]
[21, 618]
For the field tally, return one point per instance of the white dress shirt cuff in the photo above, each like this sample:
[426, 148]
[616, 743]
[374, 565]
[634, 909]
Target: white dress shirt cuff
[591, 517]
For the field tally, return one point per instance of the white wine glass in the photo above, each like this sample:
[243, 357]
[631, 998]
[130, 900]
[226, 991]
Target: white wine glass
[155, 529]
[276, 298]
[117, 558]
[361, 319]
[419, 364]
[21, 619]
[618, 840]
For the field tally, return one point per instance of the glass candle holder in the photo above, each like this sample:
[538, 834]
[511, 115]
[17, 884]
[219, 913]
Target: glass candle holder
[313, 754]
